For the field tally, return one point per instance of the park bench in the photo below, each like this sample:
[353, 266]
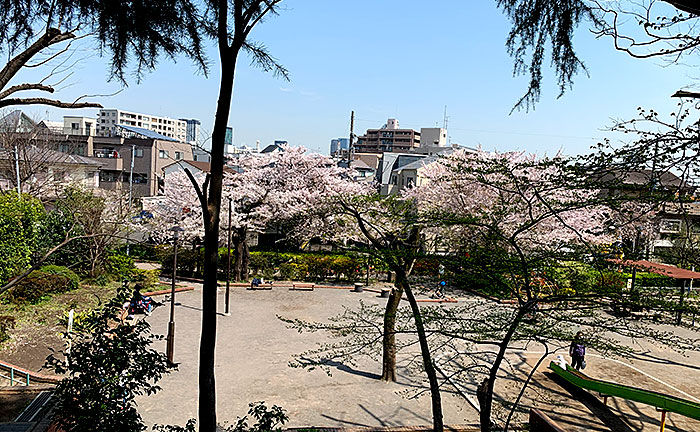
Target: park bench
[298, 286]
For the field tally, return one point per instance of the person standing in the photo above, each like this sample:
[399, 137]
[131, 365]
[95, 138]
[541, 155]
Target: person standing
[577, 351]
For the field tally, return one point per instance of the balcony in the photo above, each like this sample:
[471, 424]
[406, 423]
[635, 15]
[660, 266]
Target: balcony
[110, 159]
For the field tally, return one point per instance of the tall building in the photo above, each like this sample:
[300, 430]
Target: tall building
[339, 145]
[192, 131]
[108, 119]
[228, 138]
[389, 138]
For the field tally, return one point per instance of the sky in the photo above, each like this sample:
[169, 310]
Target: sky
[404, 59]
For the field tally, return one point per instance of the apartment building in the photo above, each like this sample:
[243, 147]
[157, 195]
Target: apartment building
[151, 152]
[389, 138]
[108, 119]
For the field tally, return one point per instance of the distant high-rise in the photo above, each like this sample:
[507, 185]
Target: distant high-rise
[193, 126]
[339, 145]
[228, 138]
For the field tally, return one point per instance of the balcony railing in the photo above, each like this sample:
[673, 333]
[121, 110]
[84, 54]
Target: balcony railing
[105, 153]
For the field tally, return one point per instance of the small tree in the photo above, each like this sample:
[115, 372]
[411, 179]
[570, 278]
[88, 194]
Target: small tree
[106, 369]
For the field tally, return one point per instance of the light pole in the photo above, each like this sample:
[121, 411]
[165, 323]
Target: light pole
[176, 230]
[228, 266]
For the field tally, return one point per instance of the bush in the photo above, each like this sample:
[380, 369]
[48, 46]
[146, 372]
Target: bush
[73, 279]
[81, 321]
[189, 262]
[120, 266]
[7, 322]
[19, 219]
[36, 286]
[149, 279]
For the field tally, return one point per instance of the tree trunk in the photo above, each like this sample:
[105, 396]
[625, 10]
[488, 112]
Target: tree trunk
[401, 279]
[389, 337]
[245, 258]
[240, 255]
[484, 393]
[207, 347]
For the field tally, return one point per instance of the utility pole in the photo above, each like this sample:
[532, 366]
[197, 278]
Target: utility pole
[445, 121]
[131, 189]
[19, 186]
[352, 133]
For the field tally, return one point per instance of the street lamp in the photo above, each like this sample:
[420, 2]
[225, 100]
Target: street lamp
[176, 230]
[228, 266]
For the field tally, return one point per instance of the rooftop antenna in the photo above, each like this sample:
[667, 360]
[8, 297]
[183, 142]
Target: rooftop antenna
[446, 119]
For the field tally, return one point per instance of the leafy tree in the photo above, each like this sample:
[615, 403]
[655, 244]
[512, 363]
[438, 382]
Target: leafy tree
[40, 33]
[106, 368]
[19, 221]
[393, 231]
[666, 29]
[80, 217]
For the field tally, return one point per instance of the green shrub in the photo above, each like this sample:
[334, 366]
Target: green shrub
[19, 220]
[7, 322]
[81, 321]
[73, 279]
[189, 262]
[149, 279]
[120, 266]
[36, 286]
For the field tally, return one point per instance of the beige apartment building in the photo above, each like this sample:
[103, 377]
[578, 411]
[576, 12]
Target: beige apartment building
[108, 119]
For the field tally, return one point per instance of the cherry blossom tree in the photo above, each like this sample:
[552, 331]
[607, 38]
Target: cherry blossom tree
[264, 189]
[278, 187]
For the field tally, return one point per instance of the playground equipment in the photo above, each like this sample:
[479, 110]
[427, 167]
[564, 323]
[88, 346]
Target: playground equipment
[663, 403]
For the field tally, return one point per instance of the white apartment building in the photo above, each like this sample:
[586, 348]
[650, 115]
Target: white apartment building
[107, 119]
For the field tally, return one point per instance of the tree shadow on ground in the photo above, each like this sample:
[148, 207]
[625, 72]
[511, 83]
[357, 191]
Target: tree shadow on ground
[595, 405]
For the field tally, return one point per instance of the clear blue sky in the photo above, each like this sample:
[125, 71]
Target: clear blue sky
[402, 59]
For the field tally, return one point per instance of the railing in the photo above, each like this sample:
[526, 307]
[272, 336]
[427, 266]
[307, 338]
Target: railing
[14, 376]
[104, 153]
[23, 377]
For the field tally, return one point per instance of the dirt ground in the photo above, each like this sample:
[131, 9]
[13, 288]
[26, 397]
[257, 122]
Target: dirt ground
[38, 327]
[254, 349]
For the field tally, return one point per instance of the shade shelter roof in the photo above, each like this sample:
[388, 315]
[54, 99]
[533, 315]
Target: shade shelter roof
[662, 269]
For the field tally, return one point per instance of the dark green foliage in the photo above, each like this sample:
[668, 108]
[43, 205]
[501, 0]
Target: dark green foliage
[120, 266]
[137, 31]
[7, 322]
[308, 266]
[73, 279]
[189, 261]
[36, 286]
[536, 25]
[19, 219]
[266, 420]
[105, 370]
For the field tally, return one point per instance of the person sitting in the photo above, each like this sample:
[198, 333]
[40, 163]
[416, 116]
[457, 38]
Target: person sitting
[140, 303]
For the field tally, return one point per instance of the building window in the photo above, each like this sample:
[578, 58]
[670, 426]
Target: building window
[163, 154]
[178, 155]
[109, 176]
[670, 226]
[138, 152]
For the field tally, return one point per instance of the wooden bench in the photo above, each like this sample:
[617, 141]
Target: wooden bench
[301, 286]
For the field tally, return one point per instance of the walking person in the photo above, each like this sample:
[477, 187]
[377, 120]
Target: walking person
[577, 351]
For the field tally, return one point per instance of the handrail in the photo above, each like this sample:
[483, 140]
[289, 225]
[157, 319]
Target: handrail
[25, 377]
